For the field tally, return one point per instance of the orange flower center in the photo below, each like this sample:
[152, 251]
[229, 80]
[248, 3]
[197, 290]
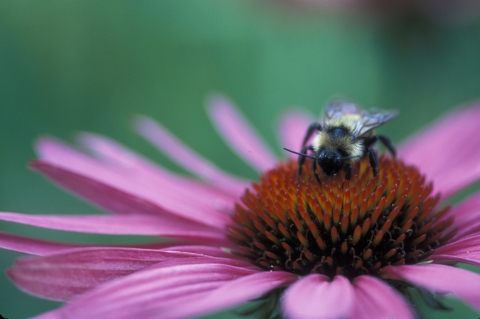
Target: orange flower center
[351, 227]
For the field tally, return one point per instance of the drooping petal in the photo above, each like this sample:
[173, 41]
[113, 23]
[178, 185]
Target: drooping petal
[116, 200]
[467, 210]
[40, 247]
[31, 246]
[147, 293]
[468, 230]
[466, 217]
[292, 129]
[239, 134]
[315, 297]
[63, 275]
[447, 152]
[465, 250]
[118, 225]
[142, 170]
[233, 293]
[187, 158]
[203, 250]
[440, 279]
[136, 178]
[374, 299]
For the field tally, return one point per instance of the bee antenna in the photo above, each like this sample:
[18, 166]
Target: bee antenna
[286, 149]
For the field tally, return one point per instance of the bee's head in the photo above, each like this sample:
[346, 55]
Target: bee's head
[330, 161]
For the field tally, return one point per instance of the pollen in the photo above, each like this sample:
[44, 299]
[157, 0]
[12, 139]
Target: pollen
[337, 226]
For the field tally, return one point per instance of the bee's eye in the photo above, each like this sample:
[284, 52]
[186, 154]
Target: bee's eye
[338, 132]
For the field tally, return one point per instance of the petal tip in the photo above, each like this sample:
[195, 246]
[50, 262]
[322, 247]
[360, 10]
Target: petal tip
[217, 102]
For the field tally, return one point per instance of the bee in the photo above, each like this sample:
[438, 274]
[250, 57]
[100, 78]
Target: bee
[346, 136]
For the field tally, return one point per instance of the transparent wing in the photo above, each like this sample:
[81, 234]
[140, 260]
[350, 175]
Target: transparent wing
[337, 109]
[371, 119]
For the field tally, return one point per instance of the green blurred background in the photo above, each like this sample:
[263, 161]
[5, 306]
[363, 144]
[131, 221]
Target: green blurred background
[70, 66]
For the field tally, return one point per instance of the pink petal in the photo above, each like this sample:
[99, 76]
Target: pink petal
[232, 293]
[465, 250]
[466, 211]
[466, 217]
[31, 246]
[239, 134]
[177, 198]
[114, 199]
[118, 225]
[448, 152]
[62, 275]
[292, 128]
[315, 297]
[470, 229]
[43, 248]
[375, 299]
[187, 158]
[439, 279]
[138, 168]
[149, 292]
[203, 250]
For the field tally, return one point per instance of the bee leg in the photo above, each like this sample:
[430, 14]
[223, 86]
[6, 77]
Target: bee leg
[373, 160]
[312, 128]
[385, 141]
[314, 167]
[301, 158]
[349, 168]
[388, 144]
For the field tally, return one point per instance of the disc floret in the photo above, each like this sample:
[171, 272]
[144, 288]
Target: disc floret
[337, 226]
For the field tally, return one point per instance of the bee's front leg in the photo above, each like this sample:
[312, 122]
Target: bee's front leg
[301, 158]
[349, 168]
[314, 167]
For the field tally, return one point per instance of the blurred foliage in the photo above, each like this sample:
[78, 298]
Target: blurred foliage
[70, 66]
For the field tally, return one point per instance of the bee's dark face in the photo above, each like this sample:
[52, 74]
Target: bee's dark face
[330, 161]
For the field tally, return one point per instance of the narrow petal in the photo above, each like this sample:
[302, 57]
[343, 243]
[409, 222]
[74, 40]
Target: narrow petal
[187, 158]
[203, 250]
[374, 299]
[315, 297]
[141, 169]
[239, 134]
[466, 217]
[63, 275]
[452, 161]
[119, 201]
[117, 225]
[468, 230]
[466, 211]
[31, 246]
[150, 185]
[233, 293]
[149, 292]
[465, 250]
[292, 128]
[40, 247]
[440, 279]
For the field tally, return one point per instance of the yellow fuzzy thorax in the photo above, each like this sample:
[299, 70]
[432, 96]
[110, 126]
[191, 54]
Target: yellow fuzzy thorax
[347, 144]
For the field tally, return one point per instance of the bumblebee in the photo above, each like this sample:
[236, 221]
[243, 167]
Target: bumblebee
[346, 136]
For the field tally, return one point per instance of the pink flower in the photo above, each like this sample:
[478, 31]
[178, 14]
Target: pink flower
[359, 243]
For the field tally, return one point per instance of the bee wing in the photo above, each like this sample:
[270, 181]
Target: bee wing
[371, 119]
[337, 109]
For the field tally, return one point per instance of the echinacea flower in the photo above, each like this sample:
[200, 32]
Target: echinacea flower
[334, 249]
